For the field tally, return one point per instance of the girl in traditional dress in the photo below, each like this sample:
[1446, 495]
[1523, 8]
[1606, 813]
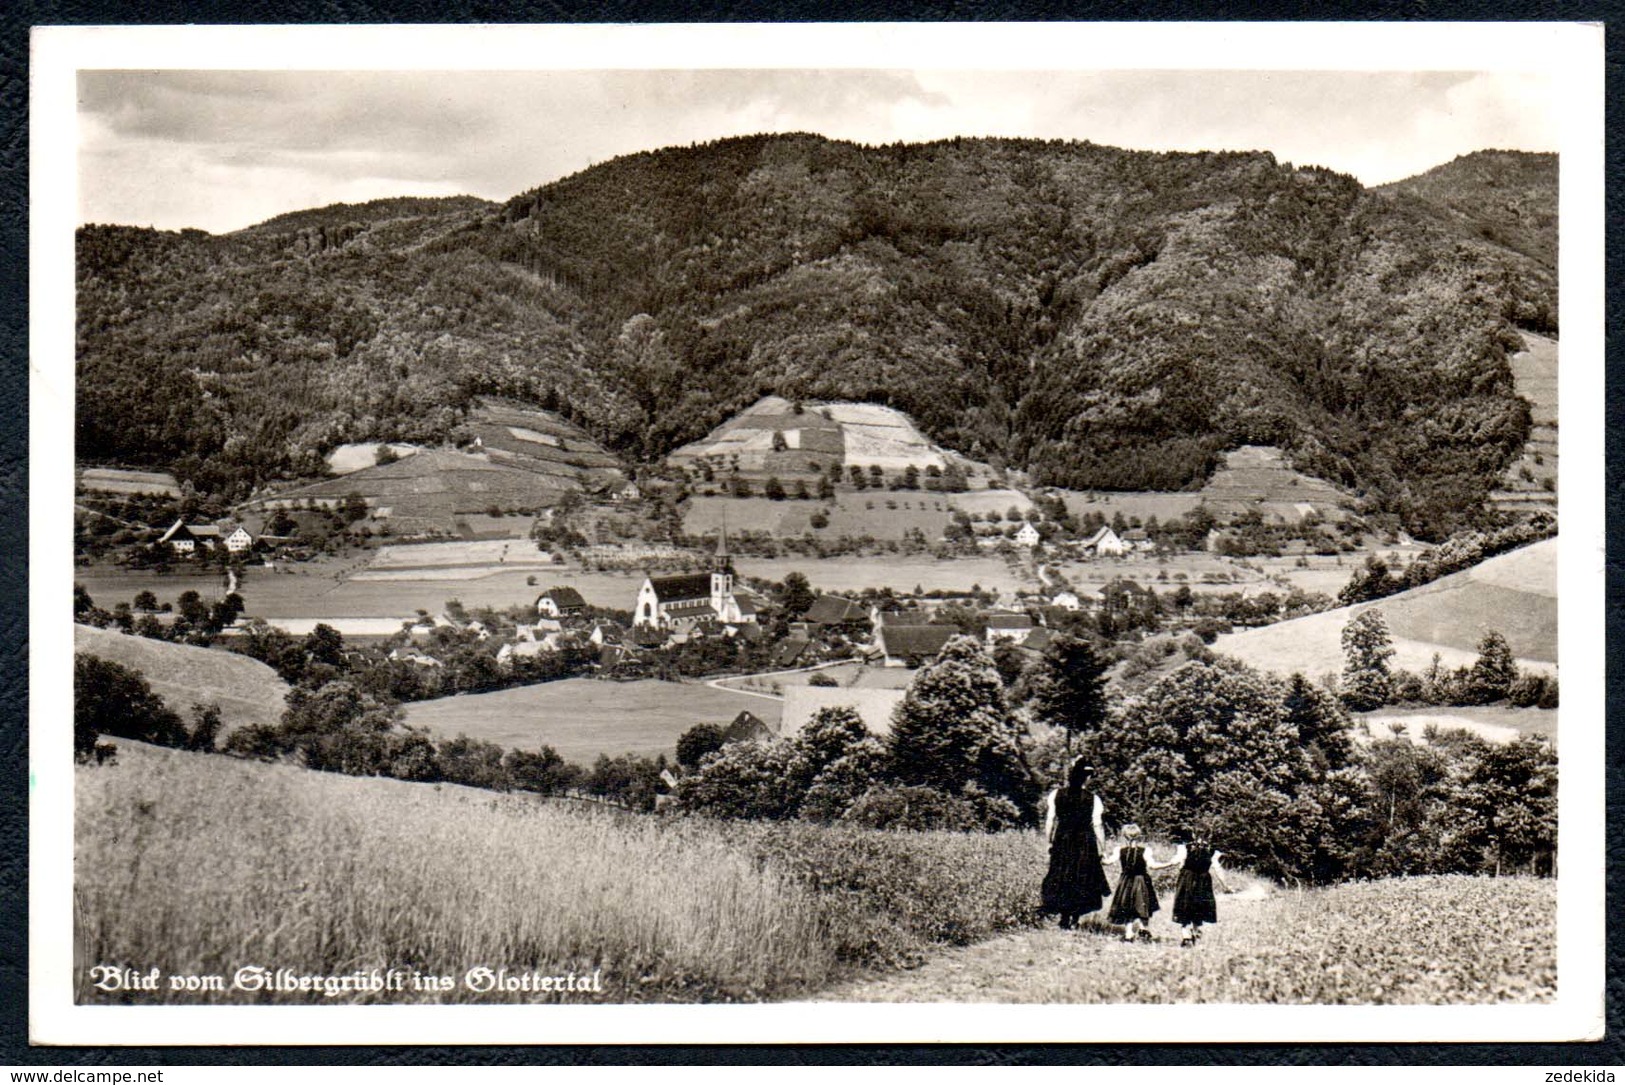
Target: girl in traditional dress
[1075, 884]
[1136, 898]
[1193, 899]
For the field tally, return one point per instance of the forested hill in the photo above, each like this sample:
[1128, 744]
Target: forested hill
[1104, 318]
[1506, 198]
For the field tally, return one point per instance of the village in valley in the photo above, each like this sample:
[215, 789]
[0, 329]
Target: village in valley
[531, 556]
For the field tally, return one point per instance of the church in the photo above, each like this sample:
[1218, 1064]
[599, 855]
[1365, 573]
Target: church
[673, 602]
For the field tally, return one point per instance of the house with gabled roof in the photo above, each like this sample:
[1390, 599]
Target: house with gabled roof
[1027, 535]
[1104, 543]
[912, 645]
[560, 603]
[835, 610]
[1010, 627]
[747, 727]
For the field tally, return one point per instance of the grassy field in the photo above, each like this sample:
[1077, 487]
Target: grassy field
[1404, 941]
[1497, 723]
[852, 675]
[880, 514]
[490, 553]
[902, 573]
[246, 690]
[584, 717]
[199, 864]
[1448, 616]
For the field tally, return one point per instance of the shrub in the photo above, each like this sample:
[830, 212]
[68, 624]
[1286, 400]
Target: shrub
[696, 742]
[912, 807]
[822, 680]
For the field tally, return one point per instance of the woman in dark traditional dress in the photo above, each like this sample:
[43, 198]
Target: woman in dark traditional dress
[1075, 884]
[1193, 898]
[1136, 898]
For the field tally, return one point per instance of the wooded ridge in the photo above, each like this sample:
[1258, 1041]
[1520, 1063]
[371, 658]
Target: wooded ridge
[1102, 318]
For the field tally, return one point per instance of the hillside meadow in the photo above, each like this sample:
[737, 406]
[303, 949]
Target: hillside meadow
[1401, 941]
[200, 865]
[247, 691]
[1513, 593]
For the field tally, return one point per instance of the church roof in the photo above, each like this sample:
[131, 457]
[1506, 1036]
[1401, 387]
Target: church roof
[690, 586]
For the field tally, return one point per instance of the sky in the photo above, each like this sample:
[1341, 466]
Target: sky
[220, 150]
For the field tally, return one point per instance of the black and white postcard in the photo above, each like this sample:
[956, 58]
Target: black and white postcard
[868, 533]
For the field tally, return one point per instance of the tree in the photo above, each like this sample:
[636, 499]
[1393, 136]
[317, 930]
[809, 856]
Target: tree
[1493, 672]
[1070, 691]
[385, 454]
[206, 728]
[698, 741]
[797, 595]
[112, 699]
[1367, 648]
[1321, 722]
[911, 477]
[779, 443]
[826, 488]
[324, 645]
[1374, 580]
[953, 732]
[354, 508]
[774, 489]
[146, 602]
[744, 780]
[1210, 746]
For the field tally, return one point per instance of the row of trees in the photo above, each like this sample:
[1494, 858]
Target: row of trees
[1370, 681]
[1375, 580]
[1266, 767]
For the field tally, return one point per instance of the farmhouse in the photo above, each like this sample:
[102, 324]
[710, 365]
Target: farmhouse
[747, 727]
[1008, 627]
[236, 538]
[184, 538]
[1067, 600]
[1137, 540]
[1027, 536]
[912, 645]
[527, 649]
[666, 601]
[1105, 543]
[560, 603]
[835, 610]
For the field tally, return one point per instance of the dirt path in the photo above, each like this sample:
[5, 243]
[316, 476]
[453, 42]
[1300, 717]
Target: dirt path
[1052, 965]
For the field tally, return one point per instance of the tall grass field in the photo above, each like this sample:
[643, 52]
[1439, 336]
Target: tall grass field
[199, 865]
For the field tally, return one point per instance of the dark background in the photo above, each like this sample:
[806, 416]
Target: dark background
[15, 21]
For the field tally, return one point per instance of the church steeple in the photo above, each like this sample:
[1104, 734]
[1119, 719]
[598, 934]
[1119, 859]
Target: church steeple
[721, 562]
